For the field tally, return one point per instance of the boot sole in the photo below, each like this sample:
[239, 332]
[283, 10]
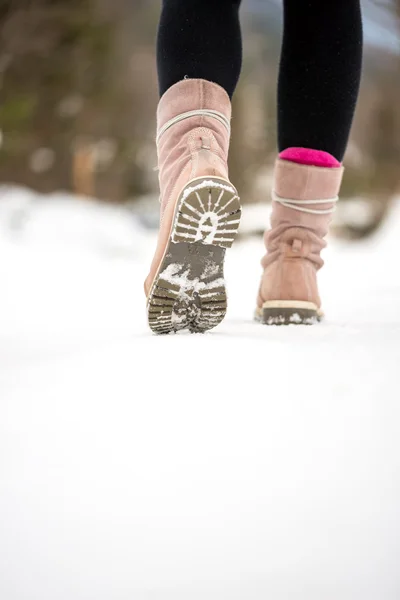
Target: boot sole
[288, 312]
[188, 291]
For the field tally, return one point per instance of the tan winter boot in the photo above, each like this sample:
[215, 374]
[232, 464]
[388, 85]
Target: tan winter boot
[304, 199]
[200, 209]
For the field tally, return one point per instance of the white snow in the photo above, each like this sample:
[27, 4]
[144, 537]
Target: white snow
[247, 463]
[171, 274]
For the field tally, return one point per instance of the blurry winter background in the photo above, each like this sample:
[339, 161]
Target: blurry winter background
[248, 463]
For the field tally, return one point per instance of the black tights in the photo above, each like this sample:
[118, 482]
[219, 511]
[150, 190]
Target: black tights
[319, 71]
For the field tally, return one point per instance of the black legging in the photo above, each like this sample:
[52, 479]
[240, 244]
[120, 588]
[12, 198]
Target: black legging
[319, 71]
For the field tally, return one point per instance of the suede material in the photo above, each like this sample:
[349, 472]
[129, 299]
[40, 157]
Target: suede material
[304, 182]
[180, 144]
[192, 148]
[290, 279]
[295, 240]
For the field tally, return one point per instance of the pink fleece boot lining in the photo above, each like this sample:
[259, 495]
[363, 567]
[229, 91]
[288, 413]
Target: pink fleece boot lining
[306, 156]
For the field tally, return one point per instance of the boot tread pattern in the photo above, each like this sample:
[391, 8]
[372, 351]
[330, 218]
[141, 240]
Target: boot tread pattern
[189, 291]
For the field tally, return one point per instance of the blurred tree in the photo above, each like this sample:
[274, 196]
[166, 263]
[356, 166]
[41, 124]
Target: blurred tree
[78, 96]
[373, 170]
[71, 75]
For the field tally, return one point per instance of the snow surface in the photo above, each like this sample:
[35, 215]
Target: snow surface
[247, 463]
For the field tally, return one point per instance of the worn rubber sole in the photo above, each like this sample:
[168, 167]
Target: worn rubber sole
[288, 312]
[189, 289]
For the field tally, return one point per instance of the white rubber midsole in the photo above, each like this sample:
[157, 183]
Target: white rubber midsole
[290, 304]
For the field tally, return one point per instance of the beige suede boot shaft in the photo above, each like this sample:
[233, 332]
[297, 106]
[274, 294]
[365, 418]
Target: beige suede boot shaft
[304, 199]
[193, 121]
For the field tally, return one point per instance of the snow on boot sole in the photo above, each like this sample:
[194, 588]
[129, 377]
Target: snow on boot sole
[188, 291]
[288, 312]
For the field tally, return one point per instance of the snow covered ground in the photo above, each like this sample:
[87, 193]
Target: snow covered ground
[248, 463]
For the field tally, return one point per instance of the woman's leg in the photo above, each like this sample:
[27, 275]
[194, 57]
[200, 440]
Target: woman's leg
[319, 74]
[318, 89]
[199, 59]
[199, 39]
